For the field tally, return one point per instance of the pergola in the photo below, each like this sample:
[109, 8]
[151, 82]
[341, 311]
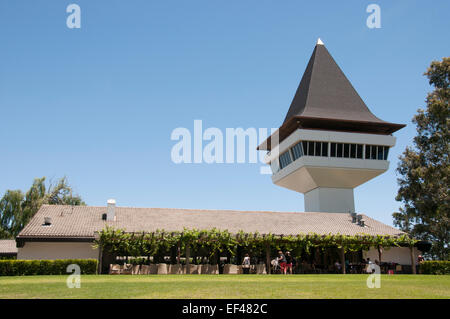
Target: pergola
[213, 244]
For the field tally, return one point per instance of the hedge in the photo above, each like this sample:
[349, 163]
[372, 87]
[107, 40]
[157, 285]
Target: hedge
[45, 267]
[435, 267]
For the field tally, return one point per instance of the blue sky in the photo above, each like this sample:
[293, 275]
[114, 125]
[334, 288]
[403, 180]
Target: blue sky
[98, 104]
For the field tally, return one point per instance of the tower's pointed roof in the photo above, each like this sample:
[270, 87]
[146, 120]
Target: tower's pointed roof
[325, 99]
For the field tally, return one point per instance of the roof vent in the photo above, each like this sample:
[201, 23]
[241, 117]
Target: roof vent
[111, 213]
[353, 217]
[360, 220]
[47, 221]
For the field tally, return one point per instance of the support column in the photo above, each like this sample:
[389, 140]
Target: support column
[268, 270]
[100, 260]
[342, 255]
[238, 255]
[188, 255]
[174, 255]
[380, 250]
[413, 260]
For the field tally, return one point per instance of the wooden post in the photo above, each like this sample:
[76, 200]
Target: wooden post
[100, 261]
[188, 256]
[178, 253]
[379, 254]
[342, 254]
[268, 270]
[413, 260]
[238, 255]
[317, 256]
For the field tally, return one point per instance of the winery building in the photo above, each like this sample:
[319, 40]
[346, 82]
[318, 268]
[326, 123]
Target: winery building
[329, 143]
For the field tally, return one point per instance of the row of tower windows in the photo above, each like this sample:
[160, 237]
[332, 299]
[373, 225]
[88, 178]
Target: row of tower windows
[344, 150]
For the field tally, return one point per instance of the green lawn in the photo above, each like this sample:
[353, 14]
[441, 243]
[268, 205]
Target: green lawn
[227, 286]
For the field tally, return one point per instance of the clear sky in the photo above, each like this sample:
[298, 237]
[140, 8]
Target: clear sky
[98, 104]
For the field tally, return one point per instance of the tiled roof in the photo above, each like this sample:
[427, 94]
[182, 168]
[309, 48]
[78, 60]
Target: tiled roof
[84, 221]
[8, 247]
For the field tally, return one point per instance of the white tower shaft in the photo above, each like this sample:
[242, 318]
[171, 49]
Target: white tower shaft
[331, 200]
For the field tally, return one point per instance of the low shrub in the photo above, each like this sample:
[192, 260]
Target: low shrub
[45, 267]
[435, 267]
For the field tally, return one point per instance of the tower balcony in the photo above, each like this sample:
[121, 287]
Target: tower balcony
[310, 159]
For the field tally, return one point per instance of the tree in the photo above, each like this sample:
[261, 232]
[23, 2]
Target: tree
[17, 208]
[425, 169]
[11, 213]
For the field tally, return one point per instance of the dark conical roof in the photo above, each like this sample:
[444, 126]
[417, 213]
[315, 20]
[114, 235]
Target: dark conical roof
[325, 92]
[325, 99]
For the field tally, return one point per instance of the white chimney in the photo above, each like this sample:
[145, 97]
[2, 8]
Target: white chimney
[111, 214]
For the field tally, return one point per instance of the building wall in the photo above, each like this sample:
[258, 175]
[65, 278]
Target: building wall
[399, 255]
[57, 250]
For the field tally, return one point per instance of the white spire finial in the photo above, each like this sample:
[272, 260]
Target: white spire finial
[319, 42]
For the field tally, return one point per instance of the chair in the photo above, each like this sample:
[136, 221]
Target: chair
[114, 269]
[135, 269]
[127, 269]
[144, 270]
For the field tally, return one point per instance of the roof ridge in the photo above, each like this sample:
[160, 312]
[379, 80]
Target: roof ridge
[202, 209]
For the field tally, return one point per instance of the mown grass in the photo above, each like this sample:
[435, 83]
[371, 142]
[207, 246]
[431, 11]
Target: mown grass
[226, 286]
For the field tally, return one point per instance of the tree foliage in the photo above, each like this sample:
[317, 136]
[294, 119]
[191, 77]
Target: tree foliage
[17, 208]
[424, 168]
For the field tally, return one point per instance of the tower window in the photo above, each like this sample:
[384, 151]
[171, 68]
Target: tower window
[339, 150]
[386, 152]
[346, 150]
[353, 151]
[305, 147]
[359, 151]
[318, 148]
[324, 148]
[311, 148]
[373, 152]
[333, 150]
[380, 152]
[376, 152]
[297, 151]
[285, 159]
